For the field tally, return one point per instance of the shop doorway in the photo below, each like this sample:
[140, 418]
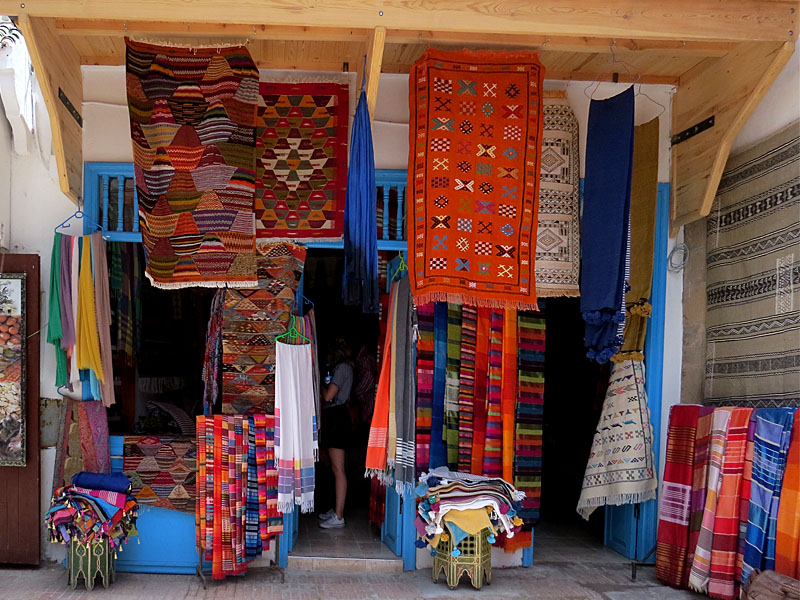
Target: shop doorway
[360, 538]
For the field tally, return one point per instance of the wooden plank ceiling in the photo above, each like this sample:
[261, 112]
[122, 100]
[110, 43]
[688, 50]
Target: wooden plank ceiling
[721, 55]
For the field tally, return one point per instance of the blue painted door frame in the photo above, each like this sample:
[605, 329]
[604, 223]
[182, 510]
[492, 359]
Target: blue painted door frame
[631, 529]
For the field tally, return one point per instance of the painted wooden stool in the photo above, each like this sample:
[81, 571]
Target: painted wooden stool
[475, 560]
[89, 561]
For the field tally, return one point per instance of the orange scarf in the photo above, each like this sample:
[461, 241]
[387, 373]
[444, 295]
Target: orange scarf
[787, 552]
[379, 429]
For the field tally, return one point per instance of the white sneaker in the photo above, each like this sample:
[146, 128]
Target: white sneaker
[326, 515]
[333, 523]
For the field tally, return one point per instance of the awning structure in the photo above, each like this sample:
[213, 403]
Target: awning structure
[722, 55]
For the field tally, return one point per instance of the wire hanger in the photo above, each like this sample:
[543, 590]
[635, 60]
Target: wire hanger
[401, 267]
[293, 333]
[656, 102]
[629, 69]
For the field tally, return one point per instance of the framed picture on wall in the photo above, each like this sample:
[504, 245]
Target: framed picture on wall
[12, 369]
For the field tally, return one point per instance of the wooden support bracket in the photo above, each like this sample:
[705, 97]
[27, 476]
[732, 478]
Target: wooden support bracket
[58, 70]
[728, 88]
[375, 46]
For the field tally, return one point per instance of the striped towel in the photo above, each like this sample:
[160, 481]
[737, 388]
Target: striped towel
[773, 434]
[701, 565]
[425, 366]
[451, 391]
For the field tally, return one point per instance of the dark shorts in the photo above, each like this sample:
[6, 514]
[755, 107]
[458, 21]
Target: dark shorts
[337, 429]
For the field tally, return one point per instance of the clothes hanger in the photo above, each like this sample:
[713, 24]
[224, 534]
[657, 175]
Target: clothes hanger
[292, 333]
[78, 214]
[629, 69]
[402, 267]
[663, 108]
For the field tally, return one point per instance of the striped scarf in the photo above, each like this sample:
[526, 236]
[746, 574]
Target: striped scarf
[508, 392]
[466, 392]
[405, 386]
[377, 445]
[744, 499]
[701, 565]
[725, 544]
[222, 465]
[493, 453]
[452, 384]
[787, 541]
[697, 502]
[479, 400]
[425, 361]
[773, 434]
[676, 488]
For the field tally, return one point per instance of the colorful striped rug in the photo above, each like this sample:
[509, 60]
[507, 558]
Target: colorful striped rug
[425, 365]
[529, 413]
[452, 387]
[493, 452]
[438, 449]
[466, 395]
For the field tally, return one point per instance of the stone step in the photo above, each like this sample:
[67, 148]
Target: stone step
[345, 565]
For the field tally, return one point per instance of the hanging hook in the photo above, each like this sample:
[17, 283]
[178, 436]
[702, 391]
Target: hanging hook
[544, 44]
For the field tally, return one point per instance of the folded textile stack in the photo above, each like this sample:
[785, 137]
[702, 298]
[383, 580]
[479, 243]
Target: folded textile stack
[89, 514]
[465, 505]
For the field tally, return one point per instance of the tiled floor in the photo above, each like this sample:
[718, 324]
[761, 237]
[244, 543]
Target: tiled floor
[358, 539]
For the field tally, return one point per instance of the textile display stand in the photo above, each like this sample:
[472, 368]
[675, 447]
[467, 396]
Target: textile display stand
[635, 564]
[273, 567]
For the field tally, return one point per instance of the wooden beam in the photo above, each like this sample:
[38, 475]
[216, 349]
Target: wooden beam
[183, 31]
[58, 69]
[592, 45]
[731, 20]
[375, 47]
[115, 28]
[728, 89]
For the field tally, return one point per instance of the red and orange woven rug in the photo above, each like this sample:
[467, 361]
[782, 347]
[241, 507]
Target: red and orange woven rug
[473, 178]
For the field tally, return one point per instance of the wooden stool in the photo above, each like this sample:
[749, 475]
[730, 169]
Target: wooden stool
[475, 560]
[96, 558]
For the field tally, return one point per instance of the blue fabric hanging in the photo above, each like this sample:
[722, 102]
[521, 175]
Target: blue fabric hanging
[438, 448]
[605, 222]
[360, 279]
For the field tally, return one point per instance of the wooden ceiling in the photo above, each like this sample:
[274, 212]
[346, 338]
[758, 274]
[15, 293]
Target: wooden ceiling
[722, 55]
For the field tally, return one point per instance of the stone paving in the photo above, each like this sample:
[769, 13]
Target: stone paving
[551, 581]
[568, 566]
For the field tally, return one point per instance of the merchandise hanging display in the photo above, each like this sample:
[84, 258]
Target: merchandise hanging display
[558, 238]
[644, 194]
[193, 117]
[473, 177]
[301, 161]
[739, 456]
[605, 223]
[751, 277]
[621, 468]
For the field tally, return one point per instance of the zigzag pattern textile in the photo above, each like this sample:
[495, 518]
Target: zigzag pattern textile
[251, 319]
[192, 116]
[301, 161]
[162, 470]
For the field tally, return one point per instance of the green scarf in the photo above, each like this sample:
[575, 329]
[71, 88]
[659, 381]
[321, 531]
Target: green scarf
[54, 330]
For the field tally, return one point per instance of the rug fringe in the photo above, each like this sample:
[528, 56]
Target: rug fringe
[206, 284]
[467, 300]
[587, 507]
[558, 293]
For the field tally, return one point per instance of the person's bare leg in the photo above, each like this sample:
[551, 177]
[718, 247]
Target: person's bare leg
[337, 464]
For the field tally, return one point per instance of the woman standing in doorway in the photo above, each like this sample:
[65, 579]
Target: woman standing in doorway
[336, 426]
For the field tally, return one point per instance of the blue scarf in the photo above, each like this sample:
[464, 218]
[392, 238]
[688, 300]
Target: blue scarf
[438, 447]
[770, 451]
[605, 222]
[360, 279]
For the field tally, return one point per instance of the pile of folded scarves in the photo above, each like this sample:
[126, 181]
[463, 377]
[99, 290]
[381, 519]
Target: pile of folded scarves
[95, 507]
[458, 505]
